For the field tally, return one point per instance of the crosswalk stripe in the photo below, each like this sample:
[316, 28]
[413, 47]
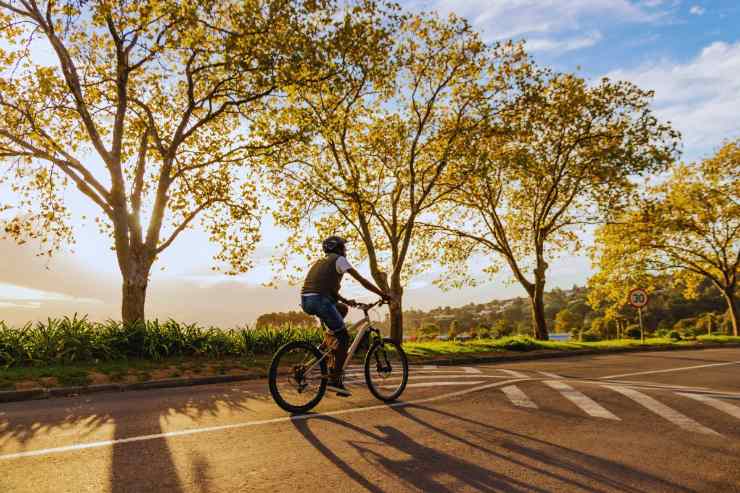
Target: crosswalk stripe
[432, 384]
[514, 373]
[588, 405]
[723, 406]
[517, 397]
[664, 411]
[549, 375]
[429, 377]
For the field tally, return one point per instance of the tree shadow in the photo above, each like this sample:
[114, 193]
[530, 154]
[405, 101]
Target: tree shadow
[424, 467]
[142, 465]
[592, 468]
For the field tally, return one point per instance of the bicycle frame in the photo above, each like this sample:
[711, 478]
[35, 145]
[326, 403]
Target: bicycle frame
[363, 326]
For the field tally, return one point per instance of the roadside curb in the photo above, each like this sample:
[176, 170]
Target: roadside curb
[566, 354]
[46, 393]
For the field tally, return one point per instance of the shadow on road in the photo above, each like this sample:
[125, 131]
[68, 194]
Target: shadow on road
[393, 453]
[135, 415]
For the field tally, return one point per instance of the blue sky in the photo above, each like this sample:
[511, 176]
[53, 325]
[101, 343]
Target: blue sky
[687, 51]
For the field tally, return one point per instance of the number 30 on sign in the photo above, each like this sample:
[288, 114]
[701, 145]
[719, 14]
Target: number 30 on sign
[638, 298]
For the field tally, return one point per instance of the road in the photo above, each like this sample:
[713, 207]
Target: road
[661, 421]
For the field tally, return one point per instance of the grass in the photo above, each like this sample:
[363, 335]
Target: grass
[521, 343]
[77, 340]
[74, 351]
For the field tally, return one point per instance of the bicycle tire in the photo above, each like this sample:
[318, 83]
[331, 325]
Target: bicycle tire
[377, 345]
[273, 376]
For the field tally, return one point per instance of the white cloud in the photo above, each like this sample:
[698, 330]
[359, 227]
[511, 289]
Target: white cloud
[697, 10]
[10, 293]
[563, 45]
[511, 18]
[701, 97]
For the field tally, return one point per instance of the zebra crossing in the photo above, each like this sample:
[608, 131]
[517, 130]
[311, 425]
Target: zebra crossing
[633, 391]
[431, 376]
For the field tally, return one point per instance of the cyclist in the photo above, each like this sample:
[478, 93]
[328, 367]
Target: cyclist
[320, 297]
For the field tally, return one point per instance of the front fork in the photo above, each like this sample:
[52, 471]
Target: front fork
[382, 364]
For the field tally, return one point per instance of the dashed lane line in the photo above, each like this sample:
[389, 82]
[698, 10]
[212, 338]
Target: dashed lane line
[651, 372]
[517, 397]
[588, 405]
[514, 373]
[433, 384]
[550, 375]
[284, 419]
[431, 377]
[663, 411]
[721, 405]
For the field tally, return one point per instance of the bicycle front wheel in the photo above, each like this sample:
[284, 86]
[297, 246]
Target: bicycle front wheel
[297, 377]
[386, 370]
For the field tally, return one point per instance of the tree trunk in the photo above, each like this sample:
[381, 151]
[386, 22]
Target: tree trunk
[537, 299]
[732, 311]
[135, 282]
[539, 325]
[396, 317]
[396, 308]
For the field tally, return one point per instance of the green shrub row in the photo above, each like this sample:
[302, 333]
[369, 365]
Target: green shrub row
[75, 339]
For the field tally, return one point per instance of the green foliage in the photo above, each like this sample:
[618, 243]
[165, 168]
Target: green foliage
[520, 343]
[71, 340]
[590, 336]
[674, 335]
[633, 332]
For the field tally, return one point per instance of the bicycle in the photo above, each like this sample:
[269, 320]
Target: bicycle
[298, 372]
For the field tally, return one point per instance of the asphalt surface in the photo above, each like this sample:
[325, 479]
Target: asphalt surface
[654, 422]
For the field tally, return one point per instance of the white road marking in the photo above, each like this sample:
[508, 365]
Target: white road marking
[671, 369]
[431, 377]
[517, 397]
[514, 373]
[588, 405]
[470, 369]
[723, 406]
[429, 367]
[664, 411]
[549, 375]
[632, 383]
[433, 384]
[284, 419]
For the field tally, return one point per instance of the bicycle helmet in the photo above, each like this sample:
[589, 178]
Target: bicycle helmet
[333, 244]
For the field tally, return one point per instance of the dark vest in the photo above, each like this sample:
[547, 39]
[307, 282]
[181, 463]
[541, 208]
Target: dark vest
[323, 278]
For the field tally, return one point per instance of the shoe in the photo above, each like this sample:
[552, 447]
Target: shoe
[339, 388]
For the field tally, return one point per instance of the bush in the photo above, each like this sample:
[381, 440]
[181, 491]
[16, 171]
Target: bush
[674, 335]
[68, 340]
[633, 332]
[590, 336]
[519, 343]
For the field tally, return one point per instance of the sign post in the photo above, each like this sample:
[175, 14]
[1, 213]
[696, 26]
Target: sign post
[638, 298]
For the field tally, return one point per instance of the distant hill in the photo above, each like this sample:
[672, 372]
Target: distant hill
[566, 310]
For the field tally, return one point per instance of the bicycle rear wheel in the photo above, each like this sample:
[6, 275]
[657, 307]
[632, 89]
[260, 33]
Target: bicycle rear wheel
[386, 370]
[297, 377]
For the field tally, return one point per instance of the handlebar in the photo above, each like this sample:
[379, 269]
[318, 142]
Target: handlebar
[365, 307]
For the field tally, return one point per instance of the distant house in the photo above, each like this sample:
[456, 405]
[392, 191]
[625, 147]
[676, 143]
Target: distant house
[559, 337]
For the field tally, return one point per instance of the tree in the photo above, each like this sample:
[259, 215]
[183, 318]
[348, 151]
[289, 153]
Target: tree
[293, 318]
[687, 225]
[562, 154]
[390, 146]
[149, 111]
[567, 320]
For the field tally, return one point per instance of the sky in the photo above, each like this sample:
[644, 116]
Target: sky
[688, 52]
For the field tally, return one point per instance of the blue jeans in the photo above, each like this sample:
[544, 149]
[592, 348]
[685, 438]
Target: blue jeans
[326, 309]
[336, 338]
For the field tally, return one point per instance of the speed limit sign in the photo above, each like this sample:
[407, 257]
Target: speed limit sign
[638, 298]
